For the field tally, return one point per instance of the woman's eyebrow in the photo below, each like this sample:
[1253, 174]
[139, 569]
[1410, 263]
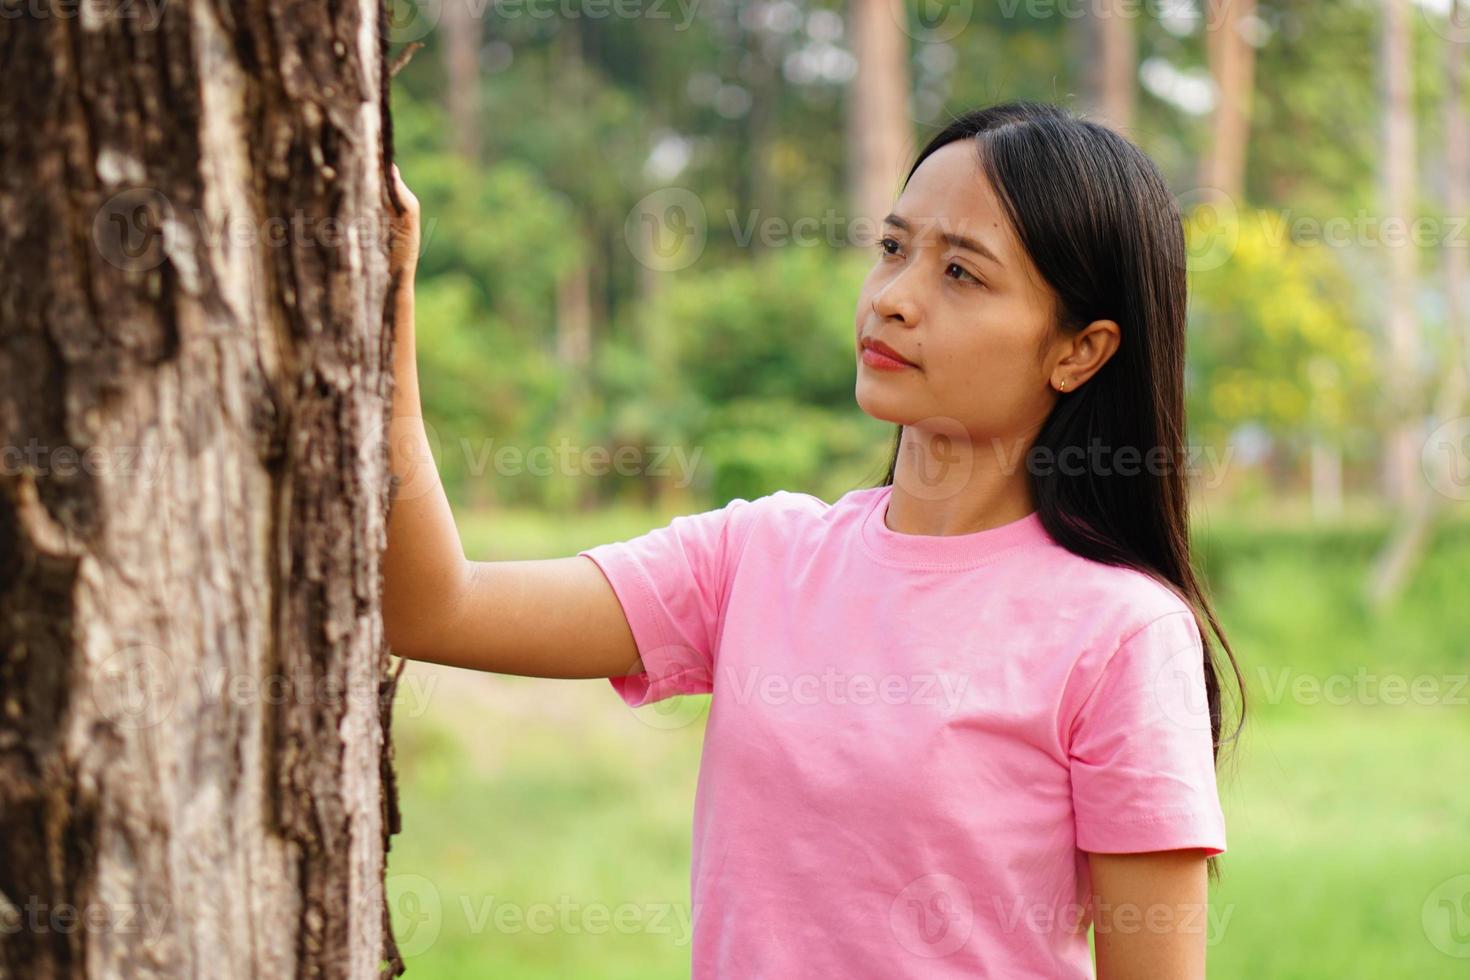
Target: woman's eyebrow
[949, 238]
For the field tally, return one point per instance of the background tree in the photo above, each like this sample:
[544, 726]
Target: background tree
[879, 134]
[193, 682]
[1401, 322]
[1232, 65]
[1406, 547]
[1113, 62]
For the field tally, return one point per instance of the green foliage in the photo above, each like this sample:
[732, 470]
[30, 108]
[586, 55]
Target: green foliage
[1274, 337]
[782, 326]
[754, 364]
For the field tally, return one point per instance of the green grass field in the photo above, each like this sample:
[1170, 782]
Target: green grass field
[546, 826]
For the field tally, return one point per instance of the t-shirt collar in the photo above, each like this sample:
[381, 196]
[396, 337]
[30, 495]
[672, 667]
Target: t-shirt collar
[932, 550]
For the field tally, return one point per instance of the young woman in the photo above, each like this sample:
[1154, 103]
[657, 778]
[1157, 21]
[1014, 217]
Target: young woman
[959, 717]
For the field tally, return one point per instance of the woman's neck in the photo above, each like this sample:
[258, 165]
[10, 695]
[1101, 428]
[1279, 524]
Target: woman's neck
[944, 483]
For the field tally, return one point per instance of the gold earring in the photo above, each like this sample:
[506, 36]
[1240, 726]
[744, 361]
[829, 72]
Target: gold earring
[1063, 385]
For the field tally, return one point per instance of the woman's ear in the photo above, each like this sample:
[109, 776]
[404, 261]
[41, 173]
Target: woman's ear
[1084, 352]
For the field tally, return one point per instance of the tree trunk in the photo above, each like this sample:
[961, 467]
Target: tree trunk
[195, 774]
[1401, 455]
[1113, 63]
[1326, 476]
[1444, 450]
[1232, 63]
[879, 133]
[460, 28]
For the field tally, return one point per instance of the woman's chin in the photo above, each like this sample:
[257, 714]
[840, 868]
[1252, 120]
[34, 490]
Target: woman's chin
[883, 406]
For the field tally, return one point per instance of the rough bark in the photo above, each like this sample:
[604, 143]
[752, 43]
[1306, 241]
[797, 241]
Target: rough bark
[193, 386]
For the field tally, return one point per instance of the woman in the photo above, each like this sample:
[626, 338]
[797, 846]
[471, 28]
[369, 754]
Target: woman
[959, 717]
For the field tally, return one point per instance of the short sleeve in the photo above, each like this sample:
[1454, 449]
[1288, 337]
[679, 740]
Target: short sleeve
[672, 583]
[1141, 758]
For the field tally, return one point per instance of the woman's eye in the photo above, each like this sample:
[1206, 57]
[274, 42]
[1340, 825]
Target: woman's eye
[963, 271]
[883, 244]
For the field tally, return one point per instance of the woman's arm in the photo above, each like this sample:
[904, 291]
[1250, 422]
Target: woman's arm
[547, 618]
[1151, 915]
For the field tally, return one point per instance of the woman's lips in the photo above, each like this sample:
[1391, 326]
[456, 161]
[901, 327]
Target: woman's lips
[875, 357]
[883, 362]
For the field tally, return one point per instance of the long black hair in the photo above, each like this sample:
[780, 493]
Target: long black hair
[1098, 222]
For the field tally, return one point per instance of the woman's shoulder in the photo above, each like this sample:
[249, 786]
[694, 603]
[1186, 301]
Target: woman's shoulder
[1130, 597]
[798, 505]
[786, 519]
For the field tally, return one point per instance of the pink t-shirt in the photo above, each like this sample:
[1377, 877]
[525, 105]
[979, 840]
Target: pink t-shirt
[912, 739]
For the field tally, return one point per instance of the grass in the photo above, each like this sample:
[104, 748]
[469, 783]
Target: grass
[546, 827]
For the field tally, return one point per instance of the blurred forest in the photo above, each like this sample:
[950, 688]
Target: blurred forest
[645, 229]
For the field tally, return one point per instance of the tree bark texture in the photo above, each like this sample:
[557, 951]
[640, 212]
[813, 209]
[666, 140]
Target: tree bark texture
[195, 769]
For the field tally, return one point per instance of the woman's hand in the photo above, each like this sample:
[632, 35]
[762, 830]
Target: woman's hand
[403, 232]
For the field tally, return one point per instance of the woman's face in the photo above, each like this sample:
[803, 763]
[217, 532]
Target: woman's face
[954, 293]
